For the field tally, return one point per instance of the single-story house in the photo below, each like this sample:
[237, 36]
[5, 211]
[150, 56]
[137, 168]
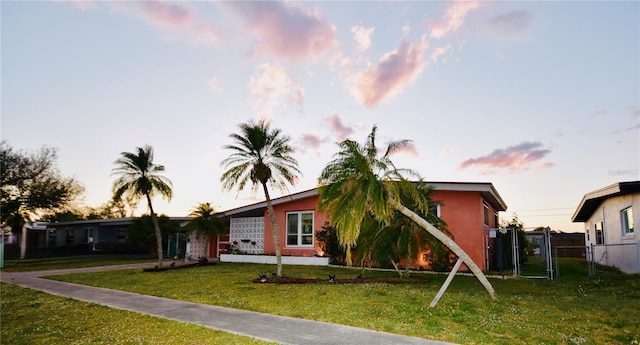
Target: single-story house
[100, 234]
[470, 209]
[609, 224]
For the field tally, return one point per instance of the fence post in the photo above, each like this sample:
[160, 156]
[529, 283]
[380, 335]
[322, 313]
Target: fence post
[592, 266]
[638, 248]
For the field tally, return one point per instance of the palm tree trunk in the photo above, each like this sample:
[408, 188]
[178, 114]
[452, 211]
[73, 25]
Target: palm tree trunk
[276, 233]
[407, 262]
[450, 244]
[156, 227]
[23, 241]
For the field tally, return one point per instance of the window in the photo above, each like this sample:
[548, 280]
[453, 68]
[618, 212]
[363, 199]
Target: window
[599, 233]
[300, 229]
[121, 235]
[434, 209]
[626, 216]
[70, 236]
[486, 214]
[52, 237]
[88, 234]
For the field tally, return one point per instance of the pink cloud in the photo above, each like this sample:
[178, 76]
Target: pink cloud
[272, 86]
[512, 23]
[174, 16]
[311, 140]
[514, 158]
[165, 13]
[453, 18]
[437, 52]
[286, 30]
[362, 36]
[395, 70]
[409, 149]
[341, 131]
[214, 84]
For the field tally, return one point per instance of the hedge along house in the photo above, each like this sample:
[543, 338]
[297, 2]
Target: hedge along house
[471, 210]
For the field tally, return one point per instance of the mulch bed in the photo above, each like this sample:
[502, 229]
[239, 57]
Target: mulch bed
[294, 280]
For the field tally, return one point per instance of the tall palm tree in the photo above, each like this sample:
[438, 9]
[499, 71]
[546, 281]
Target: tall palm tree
[261, 155]
[357, 181]
[206, 223]
[138, 177]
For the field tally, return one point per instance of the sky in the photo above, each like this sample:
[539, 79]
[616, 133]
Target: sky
[542, 99]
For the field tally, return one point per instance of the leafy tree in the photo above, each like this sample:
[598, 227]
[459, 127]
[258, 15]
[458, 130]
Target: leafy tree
[524, 246]
[205, 224]
[137, 176]
[141, 235]
[403, 239]
[262, 156]
[64, 216]
[114, 208]
[328, 239]
[30, 184]
[357, 182]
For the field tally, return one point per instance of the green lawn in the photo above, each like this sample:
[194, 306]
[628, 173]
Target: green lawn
[571, 310]
[33, 317]
[72, 262]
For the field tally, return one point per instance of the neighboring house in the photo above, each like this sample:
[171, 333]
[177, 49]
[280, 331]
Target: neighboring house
[100, 234]
[609, 223]
[470, 210]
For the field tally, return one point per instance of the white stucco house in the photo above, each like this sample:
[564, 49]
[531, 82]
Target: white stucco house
[611, 216]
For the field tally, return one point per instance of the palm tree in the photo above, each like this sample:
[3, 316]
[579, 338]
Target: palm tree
[138, 177]
[206, 223]
[401, 237]
[357, 182]
[261, 155]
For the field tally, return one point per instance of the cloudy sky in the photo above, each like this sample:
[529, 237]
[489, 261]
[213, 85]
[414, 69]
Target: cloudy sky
[539, 98]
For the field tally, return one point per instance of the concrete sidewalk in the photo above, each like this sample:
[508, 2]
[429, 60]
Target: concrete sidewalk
[285, 330]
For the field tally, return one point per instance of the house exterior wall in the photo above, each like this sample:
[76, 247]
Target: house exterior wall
[464, 212]
[197, 247]
[609, 215]
[468, 215]
[281, 210]
[619, 250]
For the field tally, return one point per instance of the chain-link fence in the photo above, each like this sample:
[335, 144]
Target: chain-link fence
[624, 256]
[570, 260]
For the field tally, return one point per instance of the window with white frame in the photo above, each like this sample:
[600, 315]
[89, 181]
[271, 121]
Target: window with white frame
[434, 209]
[300, 228]
[626, 216]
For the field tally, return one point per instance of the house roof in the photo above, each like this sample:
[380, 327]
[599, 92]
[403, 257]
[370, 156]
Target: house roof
[109, 221]
[486, 189]
[591, 201]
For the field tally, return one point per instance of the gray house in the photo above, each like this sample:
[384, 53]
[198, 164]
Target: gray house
[609, 225]
[99, 234]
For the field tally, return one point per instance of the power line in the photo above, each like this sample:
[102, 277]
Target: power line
[547, 215]
[546, 209]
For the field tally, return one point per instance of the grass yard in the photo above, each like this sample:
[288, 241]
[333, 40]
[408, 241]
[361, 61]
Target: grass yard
[72, 262]
[34, 317]
[571, 310]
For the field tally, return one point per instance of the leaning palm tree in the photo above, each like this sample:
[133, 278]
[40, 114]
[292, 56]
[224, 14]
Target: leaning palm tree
[138, 177]
[205, 224]
[357, 181]
[262, 156]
